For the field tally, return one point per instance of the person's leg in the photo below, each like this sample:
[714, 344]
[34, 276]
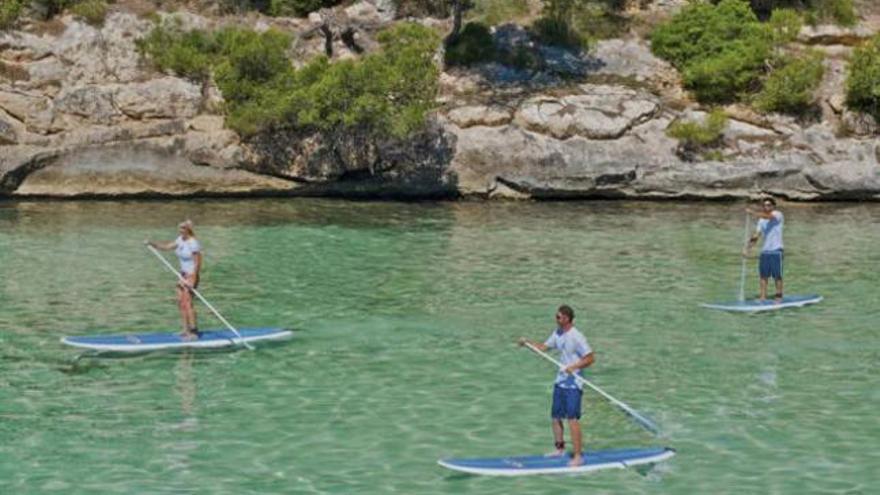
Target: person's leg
[186, 312]
[558, 437]
[556, 413]
[191, 307]
[181, 307]
[573, 414]
[574, 427]
[763, 275]
[777, 277]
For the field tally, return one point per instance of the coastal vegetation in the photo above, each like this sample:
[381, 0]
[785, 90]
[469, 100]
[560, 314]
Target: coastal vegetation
[10, 10]
[389, 91]
[697, 139]
[863, 81]
[721, 50]
[791, 87]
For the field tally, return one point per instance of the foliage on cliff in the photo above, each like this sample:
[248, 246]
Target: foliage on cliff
[863, 80]
[792, 87]
[697, 139]
[388, 92]
[725, 53]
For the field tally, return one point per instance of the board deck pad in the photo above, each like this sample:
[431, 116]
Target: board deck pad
[594, 460]
[753, 305]
[209, 339]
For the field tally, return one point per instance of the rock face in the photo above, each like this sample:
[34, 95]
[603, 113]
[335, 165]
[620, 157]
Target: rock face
[82, 115]
[146, 169]
[598, 112]
[616, 147]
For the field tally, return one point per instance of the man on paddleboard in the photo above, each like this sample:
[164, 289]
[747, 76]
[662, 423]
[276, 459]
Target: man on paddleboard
[770, 223]
[575, 354]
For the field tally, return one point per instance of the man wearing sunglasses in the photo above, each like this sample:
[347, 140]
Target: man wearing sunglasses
[770, 223]
[575, 354]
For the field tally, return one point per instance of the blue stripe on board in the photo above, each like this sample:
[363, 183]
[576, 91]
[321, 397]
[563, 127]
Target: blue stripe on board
[526, 463]
[136, 340]
[769, 303]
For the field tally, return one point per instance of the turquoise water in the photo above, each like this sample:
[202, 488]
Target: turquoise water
[406, 317]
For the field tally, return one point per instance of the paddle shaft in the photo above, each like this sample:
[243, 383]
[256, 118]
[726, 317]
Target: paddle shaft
[742, 270]
[643, 421]
[198, 294]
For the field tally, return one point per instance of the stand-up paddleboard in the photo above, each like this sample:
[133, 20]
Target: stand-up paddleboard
[754, 305]
[594, 460]
[143, 342]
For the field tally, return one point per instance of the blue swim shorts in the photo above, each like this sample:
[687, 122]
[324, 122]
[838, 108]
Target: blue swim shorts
[566, 403]
[770, 264]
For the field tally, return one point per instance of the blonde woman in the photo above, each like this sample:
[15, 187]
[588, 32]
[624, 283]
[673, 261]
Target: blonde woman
[189, 252]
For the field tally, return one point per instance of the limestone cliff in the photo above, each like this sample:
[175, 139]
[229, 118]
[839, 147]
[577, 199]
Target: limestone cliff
[82, 115]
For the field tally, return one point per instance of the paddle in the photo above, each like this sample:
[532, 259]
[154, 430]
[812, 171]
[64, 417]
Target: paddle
[641, 420]
[240, 339]
[742, 270]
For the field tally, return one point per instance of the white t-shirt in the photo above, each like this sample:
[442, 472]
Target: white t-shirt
[185, 251]
[771, 229]
[572, 346]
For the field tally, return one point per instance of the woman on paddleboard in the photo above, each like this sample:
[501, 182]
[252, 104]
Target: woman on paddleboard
[575, 354]
[189, 252]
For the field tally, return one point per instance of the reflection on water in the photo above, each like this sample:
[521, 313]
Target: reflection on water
[180, 450]
[409, 313]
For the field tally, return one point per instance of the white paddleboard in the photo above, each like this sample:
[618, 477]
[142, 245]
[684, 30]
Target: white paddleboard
[143, 342]
[753, 305]
[594, 460]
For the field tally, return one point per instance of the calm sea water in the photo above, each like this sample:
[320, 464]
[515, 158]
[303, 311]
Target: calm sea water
[406, 317]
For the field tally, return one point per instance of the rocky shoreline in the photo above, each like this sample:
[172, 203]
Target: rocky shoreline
[82, 116]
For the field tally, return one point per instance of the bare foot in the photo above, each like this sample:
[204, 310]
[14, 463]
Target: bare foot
[576, 460]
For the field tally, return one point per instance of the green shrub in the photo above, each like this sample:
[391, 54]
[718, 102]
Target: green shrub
[10, 10]
[785, 24]
[722, 50]
[728, 75]
[841, 11]
[556, 26]
[242, 6]
[299, 8]
[473, 46]
[494, 12]
[188, 54]
[388, 92]
[863, 81]
[558, 32]
[722, 56]
[698, 137]
[423, 8]
[601, 21]
[791, 88]
[91, 11]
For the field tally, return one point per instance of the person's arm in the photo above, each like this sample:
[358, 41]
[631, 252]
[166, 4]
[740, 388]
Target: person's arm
[198, 258]
[537, 345]
[761, 214]
[752, 241]
[754, 238]
[164, 246]
[581, 363]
